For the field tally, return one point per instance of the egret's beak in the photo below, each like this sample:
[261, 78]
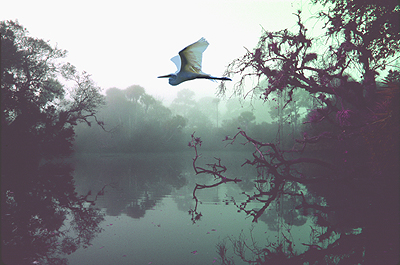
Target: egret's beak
[165, 76]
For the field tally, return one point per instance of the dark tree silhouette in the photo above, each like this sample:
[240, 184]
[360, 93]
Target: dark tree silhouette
[37, 194]
[343, 172]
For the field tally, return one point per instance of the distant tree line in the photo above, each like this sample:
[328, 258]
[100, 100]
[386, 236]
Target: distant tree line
[135, 122]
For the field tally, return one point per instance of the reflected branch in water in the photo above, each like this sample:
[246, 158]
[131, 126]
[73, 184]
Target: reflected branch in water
[216, 170]
[328, 191]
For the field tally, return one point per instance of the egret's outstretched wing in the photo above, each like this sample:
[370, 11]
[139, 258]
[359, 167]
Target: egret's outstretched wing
[191, 56]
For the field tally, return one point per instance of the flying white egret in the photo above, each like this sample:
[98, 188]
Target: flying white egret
[189, 64]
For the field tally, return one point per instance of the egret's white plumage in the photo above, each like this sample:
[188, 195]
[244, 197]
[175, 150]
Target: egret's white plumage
[189, 64]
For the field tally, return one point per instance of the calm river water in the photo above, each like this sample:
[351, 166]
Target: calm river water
[145, 199]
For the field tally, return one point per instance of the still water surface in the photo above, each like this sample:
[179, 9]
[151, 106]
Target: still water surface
[146, 199]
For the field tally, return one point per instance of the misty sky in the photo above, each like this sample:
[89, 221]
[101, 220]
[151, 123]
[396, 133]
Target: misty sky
[122, 43]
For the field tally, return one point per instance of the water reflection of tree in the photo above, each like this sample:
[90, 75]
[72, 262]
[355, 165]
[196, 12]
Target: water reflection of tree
[347, 209]
[137, 183]
[283, 209]
[35, 209]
